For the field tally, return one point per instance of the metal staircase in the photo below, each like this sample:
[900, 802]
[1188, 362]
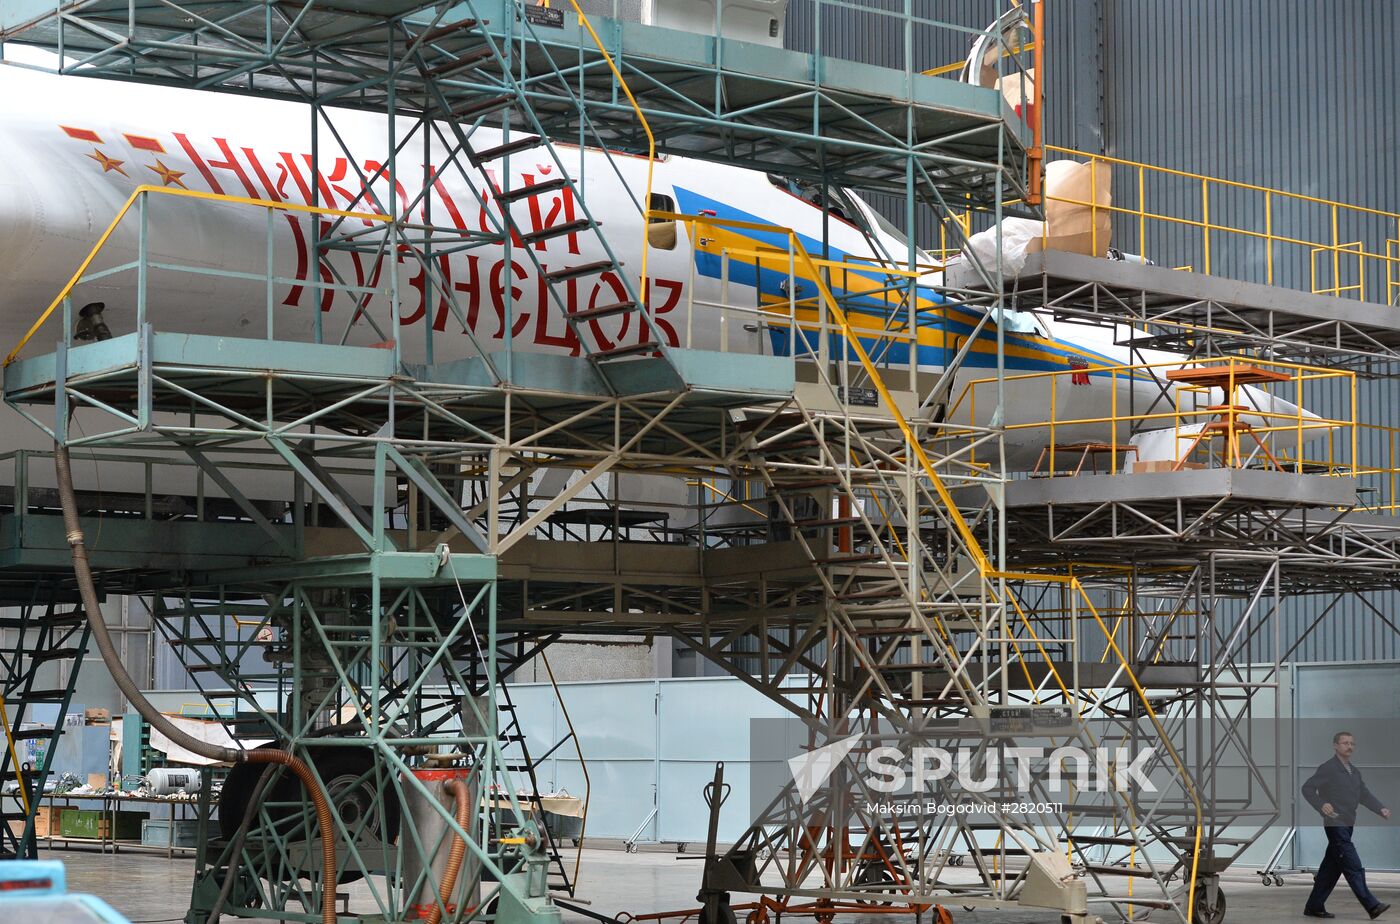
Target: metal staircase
[42, 640]
[467, 50]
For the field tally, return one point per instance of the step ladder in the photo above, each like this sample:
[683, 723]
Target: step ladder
[520, 762]
[40, 640]
[465, 50]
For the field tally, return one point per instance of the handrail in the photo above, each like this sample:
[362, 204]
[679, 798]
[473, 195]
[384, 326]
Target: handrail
[583, 766]
[646, 127]
[1381, 227]
[131, 200]
[14, 756]
[1299, 423]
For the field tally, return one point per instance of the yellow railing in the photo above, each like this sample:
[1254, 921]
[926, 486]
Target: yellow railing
[1302, 237]
[1207, 425]
[138, 195]
[1298, 441]
[641, 119]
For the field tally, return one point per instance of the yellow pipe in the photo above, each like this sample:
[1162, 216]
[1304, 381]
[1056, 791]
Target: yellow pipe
[646, 127]
[14, 756]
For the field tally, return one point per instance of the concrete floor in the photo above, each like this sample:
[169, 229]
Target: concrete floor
[148, 888]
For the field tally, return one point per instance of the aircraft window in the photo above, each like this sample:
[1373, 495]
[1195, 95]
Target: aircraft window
[785, 184]
[661, 233]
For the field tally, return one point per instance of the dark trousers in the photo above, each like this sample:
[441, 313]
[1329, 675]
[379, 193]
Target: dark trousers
[1341, 859]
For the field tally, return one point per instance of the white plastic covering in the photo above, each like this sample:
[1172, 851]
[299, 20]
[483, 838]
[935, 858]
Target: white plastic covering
[1016, 237]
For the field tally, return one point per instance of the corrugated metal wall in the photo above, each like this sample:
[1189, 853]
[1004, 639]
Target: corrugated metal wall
[1292, 94]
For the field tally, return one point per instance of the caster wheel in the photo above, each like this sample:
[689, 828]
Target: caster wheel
[1206, 913]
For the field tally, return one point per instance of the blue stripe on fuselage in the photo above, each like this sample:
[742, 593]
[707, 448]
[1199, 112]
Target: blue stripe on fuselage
[1055, 355]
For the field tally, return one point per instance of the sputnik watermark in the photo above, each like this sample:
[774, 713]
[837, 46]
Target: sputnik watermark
[979, 770]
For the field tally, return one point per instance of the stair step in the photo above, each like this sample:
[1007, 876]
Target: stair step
[525, 192]
[504, 150]
[57, 620]
[460, 64]
[441, 32]
[31, 734]
[55, 654]
[649, 346]
[603, 311]
[568, 227]
[1119, 871]
[482, 107]
[45, 696]
[583, 269]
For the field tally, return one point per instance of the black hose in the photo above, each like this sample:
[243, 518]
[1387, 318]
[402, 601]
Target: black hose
[108, 649]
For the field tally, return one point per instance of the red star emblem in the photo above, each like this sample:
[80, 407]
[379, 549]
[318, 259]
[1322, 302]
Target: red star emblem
[108, 163]
[167, 176]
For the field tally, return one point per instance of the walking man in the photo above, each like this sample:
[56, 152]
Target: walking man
[1335, 790]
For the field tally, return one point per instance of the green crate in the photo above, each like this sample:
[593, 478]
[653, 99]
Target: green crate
[93, 823]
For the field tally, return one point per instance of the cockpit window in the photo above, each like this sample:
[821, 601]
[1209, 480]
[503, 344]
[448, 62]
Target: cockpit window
[849, 207]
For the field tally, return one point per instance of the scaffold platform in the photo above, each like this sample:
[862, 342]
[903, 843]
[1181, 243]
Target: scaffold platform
[1184, 311]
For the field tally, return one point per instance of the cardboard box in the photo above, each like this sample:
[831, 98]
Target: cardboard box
[1164, 465]
[97, 717]
[1077, 201]
[47, 821]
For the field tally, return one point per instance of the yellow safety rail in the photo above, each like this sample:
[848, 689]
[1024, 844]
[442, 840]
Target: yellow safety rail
[136, 196]
[986, 570]
[646, 127]
[1297, 440]
[1228, 211]
[14, 757]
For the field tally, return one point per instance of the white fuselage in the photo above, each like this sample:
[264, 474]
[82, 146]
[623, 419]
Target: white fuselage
[77, 148]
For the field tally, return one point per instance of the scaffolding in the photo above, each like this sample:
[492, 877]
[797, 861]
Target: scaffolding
[374, 536]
